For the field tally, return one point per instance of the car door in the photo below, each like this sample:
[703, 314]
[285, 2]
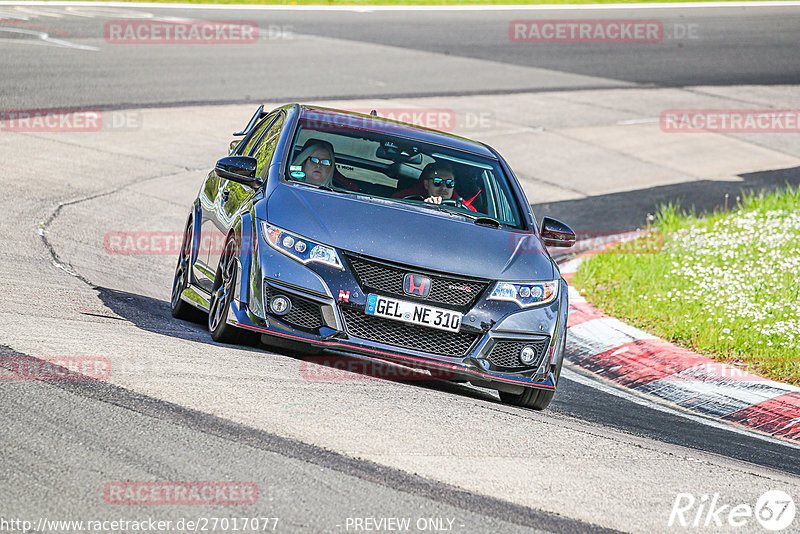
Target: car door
[233, 195]
[212, 196]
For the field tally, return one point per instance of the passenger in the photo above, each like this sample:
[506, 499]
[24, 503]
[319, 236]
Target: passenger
[317, 163]
[316, 160]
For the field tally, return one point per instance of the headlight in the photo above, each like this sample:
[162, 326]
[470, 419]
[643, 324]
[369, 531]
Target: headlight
[525, 294]
[300, 248]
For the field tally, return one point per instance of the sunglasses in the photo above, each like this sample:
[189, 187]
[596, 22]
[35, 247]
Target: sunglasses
[323, 162]
[449, 182]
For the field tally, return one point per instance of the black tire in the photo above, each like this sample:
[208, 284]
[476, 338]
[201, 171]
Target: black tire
[179, 308]
[222, 296]
[529, 398]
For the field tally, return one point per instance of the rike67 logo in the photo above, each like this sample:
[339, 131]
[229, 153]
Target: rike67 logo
[774, 511]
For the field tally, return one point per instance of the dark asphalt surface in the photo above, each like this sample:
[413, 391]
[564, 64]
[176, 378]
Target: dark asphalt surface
[85, 422]
[733, 46]
[715, 46]
[573, 399]
[699, 47]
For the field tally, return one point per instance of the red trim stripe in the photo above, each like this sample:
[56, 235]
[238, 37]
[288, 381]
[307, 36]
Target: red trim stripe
[395, 355]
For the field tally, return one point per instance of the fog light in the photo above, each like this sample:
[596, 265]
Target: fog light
[280, 305]
[527, 355]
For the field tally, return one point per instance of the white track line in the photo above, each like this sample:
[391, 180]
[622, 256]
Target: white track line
[367, 8]
[42, 38]
[628, 395]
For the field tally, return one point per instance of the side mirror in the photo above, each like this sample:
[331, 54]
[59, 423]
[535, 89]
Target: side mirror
[241, 169]
[556, 234]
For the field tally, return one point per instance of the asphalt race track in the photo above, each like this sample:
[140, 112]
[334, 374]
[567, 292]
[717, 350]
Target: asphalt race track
[579, 124]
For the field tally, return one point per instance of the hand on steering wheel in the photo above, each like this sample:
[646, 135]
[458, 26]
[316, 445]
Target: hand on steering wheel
[458, 203]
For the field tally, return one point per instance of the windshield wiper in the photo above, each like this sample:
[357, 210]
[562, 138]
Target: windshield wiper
[481, 220]
[437, 207]
[486, 221]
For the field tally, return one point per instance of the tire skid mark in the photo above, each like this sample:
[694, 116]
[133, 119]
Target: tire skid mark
[366, 470]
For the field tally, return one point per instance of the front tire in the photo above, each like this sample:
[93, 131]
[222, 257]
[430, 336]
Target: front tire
[538, 399]
[222, 297]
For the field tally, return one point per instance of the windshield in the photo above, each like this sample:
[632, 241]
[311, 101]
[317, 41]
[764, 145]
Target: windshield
[376, 164]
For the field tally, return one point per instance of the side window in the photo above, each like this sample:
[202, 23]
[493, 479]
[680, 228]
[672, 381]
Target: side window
[265, 148]
[258, 131]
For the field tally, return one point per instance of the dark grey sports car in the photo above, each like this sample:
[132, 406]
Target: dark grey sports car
[376, 239]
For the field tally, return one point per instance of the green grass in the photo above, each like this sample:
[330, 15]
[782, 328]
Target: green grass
[726, 285]
[415, 2]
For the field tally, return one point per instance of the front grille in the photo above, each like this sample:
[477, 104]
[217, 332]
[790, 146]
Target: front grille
[305, 314]
[386, 277]
[504, 355]
[408, 336]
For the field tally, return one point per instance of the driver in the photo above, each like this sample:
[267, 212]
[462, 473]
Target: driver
[436, 183]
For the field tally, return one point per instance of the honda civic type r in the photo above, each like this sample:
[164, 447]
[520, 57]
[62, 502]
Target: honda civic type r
[358, 235]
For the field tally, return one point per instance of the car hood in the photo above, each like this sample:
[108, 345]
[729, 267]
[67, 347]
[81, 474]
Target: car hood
[409, 235]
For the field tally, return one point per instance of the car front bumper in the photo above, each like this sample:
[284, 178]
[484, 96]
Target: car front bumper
[340, 302]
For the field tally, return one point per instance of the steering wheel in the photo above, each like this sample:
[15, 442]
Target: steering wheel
[458, 203]
[413, 197]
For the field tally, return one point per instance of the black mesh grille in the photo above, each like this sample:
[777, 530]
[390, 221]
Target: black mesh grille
[462, 292]
[505, 354]
[407, 336]
[305, 314]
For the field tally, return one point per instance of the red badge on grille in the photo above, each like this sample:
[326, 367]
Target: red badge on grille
[416, 284]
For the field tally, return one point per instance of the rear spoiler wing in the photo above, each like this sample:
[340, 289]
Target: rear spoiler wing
[259, 114]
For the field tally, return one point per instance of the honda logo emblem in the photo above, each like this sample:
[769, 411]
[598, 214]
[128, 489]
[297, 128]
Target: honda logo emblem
[416, 284]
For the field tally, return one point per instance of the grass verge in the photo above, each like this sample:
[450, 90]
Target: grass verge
[726, 285]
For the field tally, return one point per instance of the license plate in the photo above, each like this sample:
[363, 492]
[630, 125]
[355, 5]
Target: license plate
[413, 313]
